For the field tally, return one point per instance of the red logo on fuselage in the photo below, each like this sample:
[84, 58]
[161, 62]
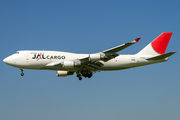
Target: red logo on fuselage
[39, 56]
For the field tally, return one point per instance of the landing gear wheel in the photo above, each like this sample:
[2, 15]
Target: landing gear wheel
[78, 75]
[80, 78]
[89, 75]
[22, 74]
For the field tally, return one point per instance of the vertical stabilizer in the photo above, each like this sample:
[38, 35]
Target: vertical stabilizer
[158, 45]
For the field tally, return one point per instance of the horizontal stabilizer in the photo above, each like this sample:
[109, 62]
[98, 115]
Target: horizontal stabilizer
[161, 56]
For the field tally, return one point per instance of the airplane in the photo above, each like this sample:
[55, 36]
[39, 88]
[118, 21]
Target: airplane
[84, 65]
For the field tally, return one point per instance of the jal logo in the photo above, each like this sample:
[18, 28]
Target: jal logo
[39, 56]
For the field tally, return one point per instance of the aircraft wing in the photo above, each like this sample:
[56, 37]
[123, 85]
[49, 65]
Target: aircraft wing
[86, 65]
[92, 66]
[111, 53]
[57, 63]
[121, 47]
[92, 61]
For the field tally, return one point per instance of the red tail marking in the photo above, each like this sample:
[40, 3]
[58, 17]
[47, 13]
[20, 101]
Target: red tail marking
[161, 42]
[137, 39]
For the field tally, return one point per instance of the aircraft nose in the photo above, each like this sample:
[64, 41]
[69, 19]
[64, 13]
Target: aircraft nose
[8, 61]
[5, 60]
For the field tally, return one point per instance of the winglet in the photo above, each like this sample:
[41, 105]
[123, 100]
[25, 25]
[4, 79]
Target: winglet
[137, 39]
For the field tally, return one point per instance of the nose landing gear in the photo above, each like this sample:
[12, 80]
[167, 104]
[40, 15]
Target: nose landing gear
[22, 74]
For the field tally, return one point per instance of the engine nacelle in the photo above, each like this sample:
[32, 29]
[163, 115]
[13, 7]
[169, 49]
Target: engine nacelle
[68, 64]
[94, 57]
[64, 73]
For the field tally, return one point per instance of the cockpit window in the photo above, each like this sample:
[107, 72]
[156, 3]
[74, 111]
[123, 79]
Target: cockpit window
[16, 53]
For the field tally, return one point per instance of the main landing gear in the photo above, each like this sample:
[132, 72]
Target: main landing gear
[84, 74]
[22, 74]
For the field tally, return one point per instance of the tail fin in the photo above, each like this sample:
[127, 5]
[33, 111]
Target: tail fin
[157, 46]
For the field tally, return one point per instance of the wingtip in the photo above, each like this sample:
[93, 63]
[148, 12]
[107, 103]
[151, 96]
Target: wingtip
[137, 39]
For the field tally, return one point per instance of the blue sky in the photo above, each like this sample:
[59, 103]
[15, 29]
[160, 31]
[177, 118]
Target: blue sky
[81, 26]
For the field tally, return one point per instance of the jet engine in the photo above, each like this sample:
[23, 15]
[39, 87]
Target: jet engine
[68, 64]
[64, 73]
[94, 57]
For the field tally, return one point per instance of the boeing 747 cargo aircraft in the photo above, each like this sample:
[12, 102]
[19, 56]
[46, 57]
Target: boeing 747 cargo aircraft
[84, 65]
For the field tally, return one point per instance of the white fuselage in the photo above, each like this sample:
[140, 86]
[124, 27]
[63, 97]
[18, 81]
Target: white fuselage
[39, 60]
